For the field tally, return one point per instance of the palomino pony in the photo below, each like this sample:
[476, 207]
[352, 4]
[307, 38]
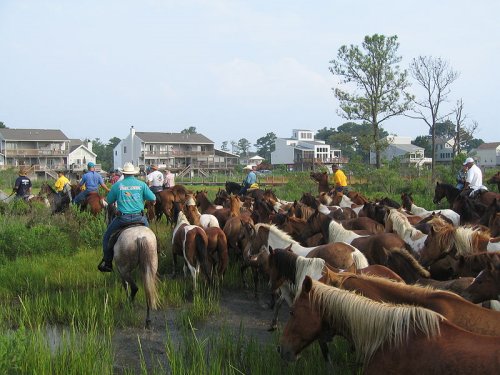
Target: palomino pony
[136, 247]
[403, 339]
[190, 242]
[447, 191]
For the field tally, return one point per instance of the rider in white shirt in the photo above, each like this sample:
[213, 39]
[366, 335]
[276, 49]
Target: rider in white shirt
[474, 179]
[155, 180]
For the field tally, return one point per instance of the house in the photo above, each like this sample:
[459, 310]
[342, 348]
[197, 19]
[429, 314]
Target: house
[302, 151]
[80, 153]
[444, 150]
[401, 147]
[488, 155]
[177, 151]
[44, 150]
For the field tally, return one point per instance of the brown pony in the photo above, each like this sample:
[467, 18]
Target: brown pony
[486, 286]
[217, 250]
[206, 207]
[190, 242]
[404, 339]
[457, 310]
[451, 266]
[322, 179]
[95, 203]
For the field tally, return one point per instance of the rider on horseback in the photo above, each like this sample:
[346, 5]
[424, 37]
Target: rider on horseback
[92, 180]
[62, 185]
[22, 186]
[129, 195]
[474, 180]
[339, 180]
[155, 181]
[250, 179]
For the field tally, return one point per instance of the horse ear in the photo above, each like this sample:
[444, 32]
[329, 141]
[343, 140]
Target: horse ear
[271, 250]
[289, 248]
[437, 183]
[307, 284]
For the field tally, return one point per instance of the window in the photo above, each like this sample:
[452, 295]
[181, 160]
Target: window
[116, 153]
[124, 149]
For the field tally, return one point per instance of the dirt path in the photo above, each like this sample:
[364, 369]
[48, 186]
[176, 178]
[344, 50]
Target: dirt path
[237, 308]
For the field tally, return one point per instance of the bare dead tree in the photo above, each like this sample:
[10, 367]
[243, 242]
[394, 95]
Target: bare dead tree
[435, 76]
[460, 118]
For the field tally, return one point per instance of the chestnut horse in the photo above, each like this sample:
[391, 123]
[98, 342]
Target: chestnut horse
[217, 250]
[322, 179]
[207, 207]
[457, 310]
[486, 286]
[404, 339]
[190, 242]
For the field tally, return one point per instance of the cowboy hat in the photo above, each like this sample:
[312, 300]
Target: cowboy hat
[468, 160]
[128, 168]
[153, 166]
[248, 167]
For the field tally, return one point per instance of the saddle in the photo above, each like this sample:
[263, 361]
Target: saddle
[114, 237]
[476, 193]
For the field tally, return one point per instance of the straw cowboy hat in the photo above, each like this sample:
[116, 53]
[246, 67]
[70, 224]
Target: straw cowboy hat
[153, 166]
[128, 169]
[248, 167]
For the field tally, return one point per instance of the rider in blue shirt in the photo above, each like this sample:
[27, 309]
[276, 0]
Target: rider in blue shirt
[129, 195]
[249, 180]
[92, 180]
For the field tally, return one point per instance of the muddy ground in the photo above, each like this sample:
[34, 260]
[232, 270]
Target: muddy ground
[237, 308]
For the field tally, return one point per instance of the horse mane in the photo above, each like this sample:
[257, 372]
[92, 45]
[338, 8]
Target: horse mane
[444, 234]
[359, 258]
[190, 201]
[181, 220]
[285, 237]
[412, 262]
[370, 324]
[337, 233]
[467, 238]
[401, 225]
[312, 267]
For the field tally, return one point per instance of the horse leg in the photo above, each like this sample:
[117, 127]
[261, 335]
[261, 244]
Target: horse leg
[128, 281]
[277, 306]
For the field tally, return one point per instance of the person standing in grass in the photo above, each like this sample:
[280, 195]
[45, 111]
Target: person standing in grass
[22, 186]
[129, 196]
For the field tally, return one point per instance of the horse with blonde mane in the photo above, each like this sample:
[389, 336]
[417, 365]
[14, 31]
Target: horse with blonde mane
[457, 310]
[396, 338]
[397, 222]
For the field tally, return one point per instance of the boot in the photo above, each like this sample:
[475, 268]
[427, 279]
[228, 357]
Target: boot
[105, 266]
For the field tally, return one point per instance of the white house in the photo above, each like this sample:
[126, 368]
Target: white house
[488, 155]
[444, 150]
[80, 153]
[401, 147]
[302, 148]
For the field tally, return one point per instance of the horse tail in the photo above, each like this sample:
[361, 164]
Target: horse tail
[148, 264]
[223, 256]
[202, 255]
[405, 264]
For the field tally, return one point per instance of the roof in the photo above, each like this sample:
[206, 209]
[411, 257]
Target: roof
[33, 135]
[489, 146]
[407, 148]
[157, 137]
[256, 157]
[77, 143]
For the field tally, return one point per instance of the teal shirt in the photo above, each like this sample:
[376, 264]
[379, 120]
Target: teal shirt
[129, 195]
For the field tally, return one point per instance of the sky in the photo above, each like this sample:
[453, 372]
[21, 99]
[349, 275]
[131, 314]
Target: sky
[233, 69]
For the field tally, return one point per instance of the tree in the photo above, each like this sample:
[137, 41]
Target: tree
[104, 152]
[265, 145]
[224, 147]
[243, 146]
[190, 130]
[324, 133]
[2, 125]
[435, 76]
[444, 130]
[380, 84]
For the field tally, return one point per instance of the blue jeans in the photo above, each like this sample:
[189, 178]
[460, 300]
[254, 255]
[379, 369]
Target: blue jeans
[117, 223]
[81, 196]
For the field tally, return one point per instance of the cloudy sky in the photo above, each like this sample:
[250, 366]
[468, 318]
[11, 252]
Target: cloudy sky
[233, 69]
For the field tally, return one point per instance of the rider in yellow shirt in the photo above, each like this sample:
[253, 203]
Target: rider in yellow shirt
[62, 185]
[339, 180]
